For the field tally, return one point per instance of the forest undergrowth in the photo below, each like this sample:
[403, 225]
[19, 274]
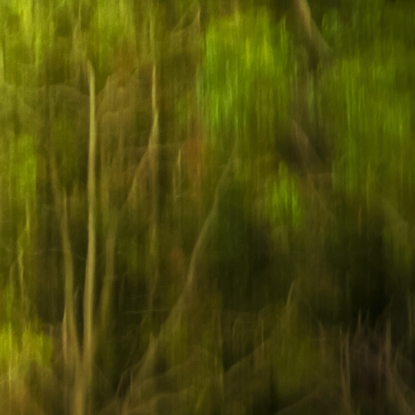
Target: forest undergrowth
[207, 207]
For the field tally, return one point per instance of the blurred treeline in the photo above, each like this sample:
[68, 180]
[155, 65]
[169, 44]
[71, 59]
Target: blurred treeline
[207, 207]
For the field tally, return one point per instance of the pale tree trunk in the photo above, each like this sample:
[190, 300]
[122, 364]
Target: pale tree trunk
[154, 166]
[311, 33]
[84, 374]
[70, 342]
[89, 290]
[78, 366]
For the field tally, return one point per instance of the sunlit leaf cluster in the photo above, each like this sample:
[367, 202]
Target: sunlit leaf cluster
[284, 203]
[244, 82]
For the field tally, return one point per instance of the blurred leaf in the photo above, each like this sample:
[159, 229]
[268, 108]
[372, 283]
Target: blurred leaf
[243, 83]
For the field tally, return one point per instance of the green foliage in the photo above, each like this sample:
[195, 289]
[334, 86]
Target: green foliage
[25, 168]
[366, 98]
[369, 127]
[182, 7]
[284, 204]
[16, 352]
[267, 233]
[112, 24]
[365, 19]
[19, 345]
[29, 35]
[333, 30]
[243, 84]
[19, 166]
[357, 24]
[398, 22]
